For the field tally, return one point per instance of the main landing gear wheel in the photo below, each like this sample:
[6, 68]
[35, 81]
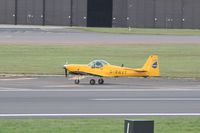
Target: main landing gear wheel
[77, 81]
[100, 81]
[92, 82]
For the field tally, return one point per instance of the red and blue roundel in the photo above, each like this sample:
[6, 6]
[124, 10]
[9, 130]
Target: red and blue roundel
[155, 65]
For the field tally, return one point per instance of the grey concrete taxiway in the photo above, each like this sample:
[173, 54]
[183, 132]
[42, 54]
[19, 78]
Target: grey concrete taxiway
[59, 96]
[10, 34]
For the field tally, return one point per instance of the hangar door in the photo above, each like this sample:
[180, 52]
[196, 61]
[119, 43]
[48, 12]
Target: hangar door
[79, 12]
[58, 12]
[141, 13]
[30, 12]
[168, 13]
[7, 11]
[191, 11]
[120, 16]
[99, 13]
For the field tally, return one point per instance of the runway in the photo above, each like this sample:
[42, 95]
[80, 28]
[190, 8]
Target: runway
[62, 35]
[58, 96]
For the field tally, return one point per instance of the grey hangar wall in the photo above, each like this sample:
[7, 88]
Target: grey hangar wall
[102, 13]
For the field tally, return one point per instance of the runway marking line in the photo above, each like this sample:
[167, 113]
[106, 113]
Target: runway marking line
[62, 86]
[147, 99]
[103, 114]
[16, 79]
[6, 89]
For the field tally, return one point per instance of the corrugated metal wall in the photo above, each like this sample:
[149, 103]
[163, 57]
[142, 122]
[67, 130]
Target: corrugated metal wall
[168, 14]
[120, 13]
[191, 10]
[177, 14]
[163, 13]
[57, 12]
[30, 12]
[141, 13]
[196, 12]
[79, 13]
[7, 11]
[125, 13]
[159, 13]
[188, 13]
[131, 13]
[149, 10]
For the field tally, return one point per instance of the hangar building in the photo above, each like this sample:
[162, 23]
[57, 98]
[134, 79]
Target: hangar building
[102, 13]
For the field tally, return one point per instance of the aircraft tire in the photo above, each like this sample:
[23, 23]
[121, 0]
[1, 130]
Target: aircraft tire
[77, 81]
[92, 82]
[100, 81]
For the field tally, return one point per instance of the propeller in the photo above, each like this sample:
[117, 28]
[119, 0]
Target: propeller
[65, 67]
[66, 72]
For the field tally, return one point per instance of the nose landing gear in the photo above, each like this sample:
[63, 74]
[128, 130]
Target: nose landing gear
[77, 81]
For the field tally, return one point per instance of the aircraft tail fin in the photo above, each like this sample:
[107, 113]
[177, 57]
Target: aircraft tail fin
[152, 66]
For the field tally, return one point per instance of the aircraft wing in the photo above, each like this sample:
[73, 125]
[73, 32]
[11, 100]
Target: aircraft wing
[77, 77]
[86, 74]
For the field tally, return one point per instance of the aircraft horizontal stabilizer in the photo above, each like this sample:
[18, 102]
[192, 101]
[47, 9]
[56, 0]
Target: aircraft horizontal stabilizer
[140, 70]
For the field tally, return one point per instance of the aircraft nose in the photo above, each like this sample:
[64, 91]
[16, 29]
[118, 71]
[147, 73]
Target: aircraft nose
[65, 66]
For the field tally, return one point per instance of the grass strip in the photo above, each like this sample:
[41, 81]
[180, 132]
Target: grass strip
[146, 31]
[176, 60]
[96, 125]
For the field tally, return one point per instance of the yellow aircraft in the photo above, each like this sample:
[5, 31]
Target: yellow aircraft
[101, 68]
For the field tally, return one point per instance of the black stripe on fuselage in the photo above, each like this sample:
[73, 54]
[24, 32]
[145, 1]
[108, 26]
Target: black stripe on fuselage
[84, 73]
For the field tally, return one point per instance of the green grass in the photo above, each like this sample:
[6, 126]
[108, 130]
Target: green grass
[176, 60]
[96, 125]
[145, 31]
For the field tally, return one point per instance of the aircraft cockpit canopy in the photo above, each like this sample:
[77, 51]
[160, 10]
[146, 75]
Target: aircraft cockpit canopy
[98, 63]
